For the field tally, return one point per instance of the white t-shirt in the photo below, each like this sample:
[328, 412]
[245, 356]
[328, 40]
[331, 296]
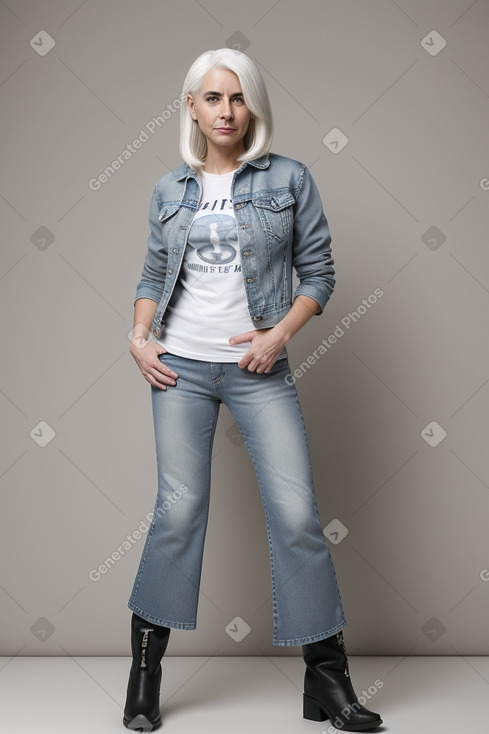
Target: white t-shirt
[208, 304]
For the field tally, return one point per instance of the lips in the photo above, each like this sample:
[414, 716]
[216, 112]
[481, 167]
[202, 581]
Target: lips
[226, 129]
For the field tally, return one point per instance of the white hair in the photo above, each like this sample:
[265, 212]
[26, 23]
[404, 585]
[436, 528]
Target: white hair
[258, 137]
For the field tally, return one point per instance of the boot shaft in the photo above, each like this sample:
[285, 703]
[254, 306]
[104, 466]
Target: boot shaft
[148, 643]
[328, 653]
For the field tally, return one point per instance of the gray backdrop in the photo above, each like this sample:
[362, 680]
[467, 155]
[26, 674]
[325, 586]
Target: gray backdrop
[387, 102]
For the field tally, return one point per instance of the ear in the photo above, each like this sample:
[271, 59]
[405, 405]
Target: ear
[191, 105]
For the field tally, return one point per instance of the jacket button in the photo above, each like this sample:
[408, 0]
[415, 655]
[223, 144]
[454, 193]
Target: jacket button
[176, 250]
[257, 318]
[170, 272]
[250, 280]
[248, 252]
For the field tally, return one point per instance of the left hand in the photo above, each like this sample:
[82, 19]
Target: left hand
[265, 347]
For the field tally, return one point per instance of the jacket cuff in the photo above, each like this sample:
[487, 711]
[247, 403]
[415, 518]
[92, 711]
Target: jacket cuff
[319, 295]
[148, 290]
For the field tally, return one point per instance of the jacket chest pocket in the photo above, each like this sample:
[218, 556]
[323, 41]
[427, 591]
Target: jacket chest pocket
[169, 221]
[276, 213]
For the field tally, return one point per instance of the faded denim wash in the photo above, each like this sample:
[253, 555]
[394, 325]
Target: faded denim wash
[305, 597]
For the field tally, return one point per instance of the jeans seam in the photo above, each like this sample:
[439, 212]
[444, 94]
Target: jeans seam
[269, 537]
[145, 553]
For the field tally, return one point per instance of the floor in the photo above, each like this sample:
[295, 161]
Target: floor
[414, 695]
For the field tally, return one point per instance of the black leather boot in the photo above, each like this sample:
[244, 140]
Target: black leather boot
[148, 645]
[328, 692]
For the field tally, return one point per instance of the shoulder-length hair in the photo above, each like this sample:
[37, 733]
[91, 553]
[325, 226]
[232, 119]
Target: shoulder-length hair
[258, 137]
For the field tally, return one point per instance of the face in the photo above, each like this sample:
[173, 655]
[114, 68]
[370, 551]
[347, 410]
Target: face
[220, 110]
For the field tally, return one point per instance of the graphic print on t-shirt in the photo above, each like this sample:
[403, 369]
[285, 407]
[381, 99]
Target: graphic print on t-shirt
[213, 238]
[209, 303]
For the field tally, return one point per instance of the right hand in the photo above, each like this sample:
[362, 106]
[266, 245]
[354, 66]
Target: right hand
[146, 354]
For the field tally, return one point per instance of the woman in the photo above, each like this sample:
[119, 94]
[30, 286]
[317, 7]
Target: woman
[214, 310]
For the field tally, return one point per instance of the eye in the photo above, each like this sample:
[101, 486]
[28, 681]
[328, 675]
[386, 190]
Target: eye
[239, 100]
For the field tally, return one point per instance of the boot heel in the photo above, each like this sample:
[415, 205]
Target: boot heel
[312, 710]
[141, 723]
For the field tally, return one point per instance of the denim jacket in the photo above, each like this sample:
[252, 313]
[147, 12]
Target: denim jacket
[281, 225]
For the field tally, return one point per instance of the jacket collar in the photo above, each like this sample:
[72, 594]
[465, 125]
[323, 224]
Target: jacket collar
[262, 162]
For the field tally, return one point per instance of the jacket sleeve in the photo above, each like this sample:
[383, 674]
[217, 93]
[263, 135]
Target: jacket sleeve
[154, 268]
[311, 248]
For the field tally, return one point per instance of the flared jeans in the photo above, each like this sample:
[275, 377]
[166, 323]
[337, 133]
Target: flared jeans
[306, 601]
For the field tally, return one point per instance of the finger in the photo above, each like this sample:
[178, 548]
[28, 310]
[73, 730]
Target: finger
[154, 382]
[160, 376]
[264, 365]
[253, 365]
[165, 379]
[264, 368]
[163, 369]
[245, 361]
[242, 338]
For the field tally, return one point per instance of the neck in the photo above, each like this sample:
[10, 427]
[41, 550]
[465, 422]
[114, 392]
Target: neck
[222, 161]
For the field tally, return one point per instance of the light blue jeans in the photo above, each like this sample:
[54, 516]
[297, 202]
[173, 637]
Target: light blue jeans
[306, 600]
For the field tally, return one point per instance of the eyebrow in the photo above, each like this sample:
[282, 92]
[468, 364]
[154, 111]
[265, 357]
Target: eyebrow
[219, 94]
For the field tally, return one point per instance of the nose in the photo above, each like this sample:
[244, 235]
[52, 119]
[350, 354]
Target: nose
[226, 111]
